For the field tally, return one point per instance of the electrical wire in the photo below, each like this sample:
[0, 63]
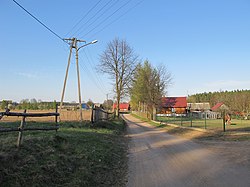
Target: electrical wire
[90, 60]
[38, 21]
[83, 17]
[100, 16]
[105, 19]
[85, 69]
[110, 23]
[92, 17]
[95, 81]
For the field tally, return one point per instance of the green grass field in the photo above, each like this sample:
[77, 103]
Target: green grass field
[235, 132]
[213, 124]
[77, 155]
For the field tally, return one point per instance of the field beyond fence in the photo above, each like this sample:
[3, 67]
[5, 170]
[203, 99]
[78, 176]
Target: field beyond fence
[64, 116]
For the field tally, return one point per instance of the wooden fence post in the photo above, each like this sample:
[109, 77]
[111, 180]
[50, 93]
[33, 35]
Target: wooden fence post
[20, 134]
[92, 114]
[56, 118]
[224, 120]
[205, 127]
[191, 118]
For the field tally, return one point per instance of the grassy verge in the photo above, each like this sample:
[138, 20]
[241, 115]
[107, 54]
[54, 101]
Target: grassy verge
[147, 120]
[77, 155]
[197, 135]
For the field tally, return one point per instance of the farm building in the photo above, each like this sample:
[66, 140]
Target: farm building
[124, 107]
[198, 106]
[174, 106]
[205, 114]
[220, 107]
[202, 111]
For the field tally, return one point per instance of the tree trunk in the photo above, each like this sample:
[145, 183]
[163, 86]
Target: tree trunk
[118, 107]
[154, 113]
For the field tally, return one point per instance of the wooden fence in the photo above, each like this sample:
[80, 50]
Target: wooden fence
[65, 115]
[99, 114]
[23, 127]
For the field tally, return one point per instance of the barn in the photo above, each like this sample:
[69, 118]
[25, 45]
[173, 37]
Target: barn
[174, 106]
[124, 107]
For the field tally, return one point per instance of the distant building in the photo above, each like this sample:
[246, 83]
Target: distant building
[124, 107]
[203, 110]
[198, 106]
[220, 107]
[85, 106]
[205, 114]
[174, 106]
[75, 106]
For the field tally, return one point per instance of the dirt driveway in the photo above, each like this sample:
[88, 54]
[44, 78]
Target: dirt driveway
[157, 158]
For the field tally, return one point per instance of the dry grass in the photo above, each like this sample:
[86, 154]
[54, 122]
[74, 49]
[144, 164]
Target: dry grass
[64, 116]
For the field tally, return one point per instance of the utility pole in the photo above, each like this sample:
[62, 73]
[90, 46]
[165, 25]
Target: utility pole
[73, 44]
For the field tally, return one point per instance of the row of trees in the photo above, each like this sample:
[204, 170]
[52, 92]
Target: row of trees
[31, 104]
[237, 100]
[141, 81]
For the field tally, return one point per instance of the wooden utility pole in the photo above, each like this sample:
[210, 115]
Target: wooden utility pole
[73, 44]
[65, 79]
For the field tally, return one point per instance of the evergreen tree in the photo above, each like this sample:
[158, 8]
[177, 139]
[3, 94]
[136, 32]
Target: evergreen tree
[148, 87]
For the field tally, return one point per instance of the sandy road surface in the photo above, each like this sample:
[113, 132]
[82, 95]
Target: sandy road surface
[159, 159]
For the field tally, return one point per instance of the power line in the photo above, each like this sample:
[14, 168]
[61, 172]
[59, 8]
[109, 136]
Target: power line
[110, 23]
[100, 16]
[84, 17]
[103, 21]
[93, 77]
[90, 60]
[92, 17]
[38, 21]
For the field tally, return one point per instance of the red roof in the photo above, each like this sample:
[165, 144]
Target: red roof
[123, 106]
[217, 106]
[174, 102]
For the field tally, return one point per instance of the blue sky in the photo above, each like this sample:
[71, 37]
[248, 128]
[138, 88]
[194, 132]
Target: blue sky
[204, 44]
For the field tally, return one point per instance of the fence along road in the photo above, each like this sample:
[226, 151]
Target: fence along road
[159, 159]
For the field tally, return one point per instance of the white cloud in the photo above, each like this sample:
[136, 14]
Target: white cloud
[28, 75]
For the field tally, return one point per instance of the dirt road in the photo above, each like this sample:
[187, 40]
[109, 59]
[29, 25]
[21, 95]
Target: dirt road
[159, 159]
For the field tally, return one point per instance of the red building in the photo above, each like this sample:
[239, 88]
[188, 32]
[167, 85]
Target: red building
[174, 105]
[219, 107]
[124, 107]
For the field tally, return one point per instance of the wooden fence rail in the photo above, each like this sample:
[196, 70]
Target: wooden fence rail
[22, 127]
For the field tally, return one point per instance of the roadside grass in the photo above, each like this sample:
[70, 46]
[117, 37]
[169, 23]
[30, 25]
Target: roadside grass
[230, 135]
[147, 120]
[77, 155]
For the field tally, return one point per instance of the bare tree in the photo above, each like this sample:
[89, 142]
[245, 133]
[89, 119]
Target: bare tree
[119, 62]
